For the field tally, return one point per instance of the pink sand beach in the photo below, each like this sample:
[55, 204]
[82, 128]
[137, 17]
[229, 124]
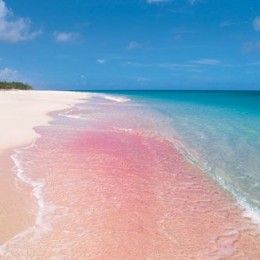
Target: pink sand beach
[98, 183]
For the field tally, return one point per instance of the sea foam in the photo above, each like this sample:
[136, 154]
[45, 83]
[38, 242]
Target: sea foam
[43, 207]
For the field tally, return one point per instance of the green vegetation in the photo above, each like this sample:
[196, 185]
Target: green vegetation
[14, 85]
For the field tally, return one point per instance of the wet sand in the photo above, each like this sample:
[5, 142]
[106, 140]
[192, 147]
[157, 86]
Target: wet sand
[20, 112]
[17, 206]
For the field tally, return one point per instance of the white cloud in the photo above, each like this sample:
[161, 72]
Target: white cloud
[255, 63]
[134, 45]
[3, 9]
[193, 2]
[63, 37]
[14, 29]
[101, 61]
[7, 74]
[252, 46]
[142, 80]
[162, 65]
[207, 62]
[232, 23]
[83, 77]
[256, 23]
[156, 1]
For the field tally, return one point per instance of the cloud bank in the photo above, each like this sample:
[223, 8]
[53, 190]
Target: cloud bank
[7, 74]
[64, 37]
[256, 23]
[134, 45]
[156, 1]
[14, 29]
[207, 62]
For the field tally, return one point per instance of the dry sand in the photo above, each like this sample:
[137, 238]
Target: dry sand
[20, 111]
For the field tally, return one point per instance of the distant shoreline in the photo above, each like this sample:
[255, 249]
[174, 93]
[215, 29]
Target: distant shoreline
[14, 85]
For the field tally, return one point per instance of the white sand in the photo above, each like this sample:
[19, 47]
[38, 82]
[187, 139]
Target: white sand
[20, 111]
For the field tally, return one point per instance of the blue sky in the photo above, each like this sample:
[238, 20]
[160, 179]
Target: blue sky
[131, 44]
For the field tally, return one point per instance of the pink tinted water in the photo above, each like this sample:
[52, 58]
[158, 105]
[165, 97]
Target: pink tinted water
[113, 191]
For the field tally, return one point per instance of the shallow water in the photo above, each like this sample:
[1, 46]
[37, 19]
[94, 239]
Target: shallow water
[220, 130]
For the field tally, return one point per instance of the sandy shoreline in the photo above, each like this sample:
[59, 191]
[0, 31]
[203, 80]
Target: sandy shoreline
[111, 193]
[90, 188]
[20, 112]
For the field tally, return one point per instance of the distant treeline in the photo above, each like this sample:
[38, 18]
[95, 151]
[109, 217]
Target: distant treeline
[14, 85]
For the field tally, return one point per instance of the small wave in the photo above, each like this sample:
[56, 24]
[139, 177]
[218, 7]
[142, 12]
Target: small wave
[72, 116]
[37, 189]
[190, 155]
[194, 157]
[37, 186]
[119, 99]
[130, 130]
[249, 211]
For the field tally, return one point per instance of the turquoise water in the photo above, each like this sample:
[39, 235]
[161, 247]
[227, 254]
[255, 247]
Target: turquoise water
[221, 132]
